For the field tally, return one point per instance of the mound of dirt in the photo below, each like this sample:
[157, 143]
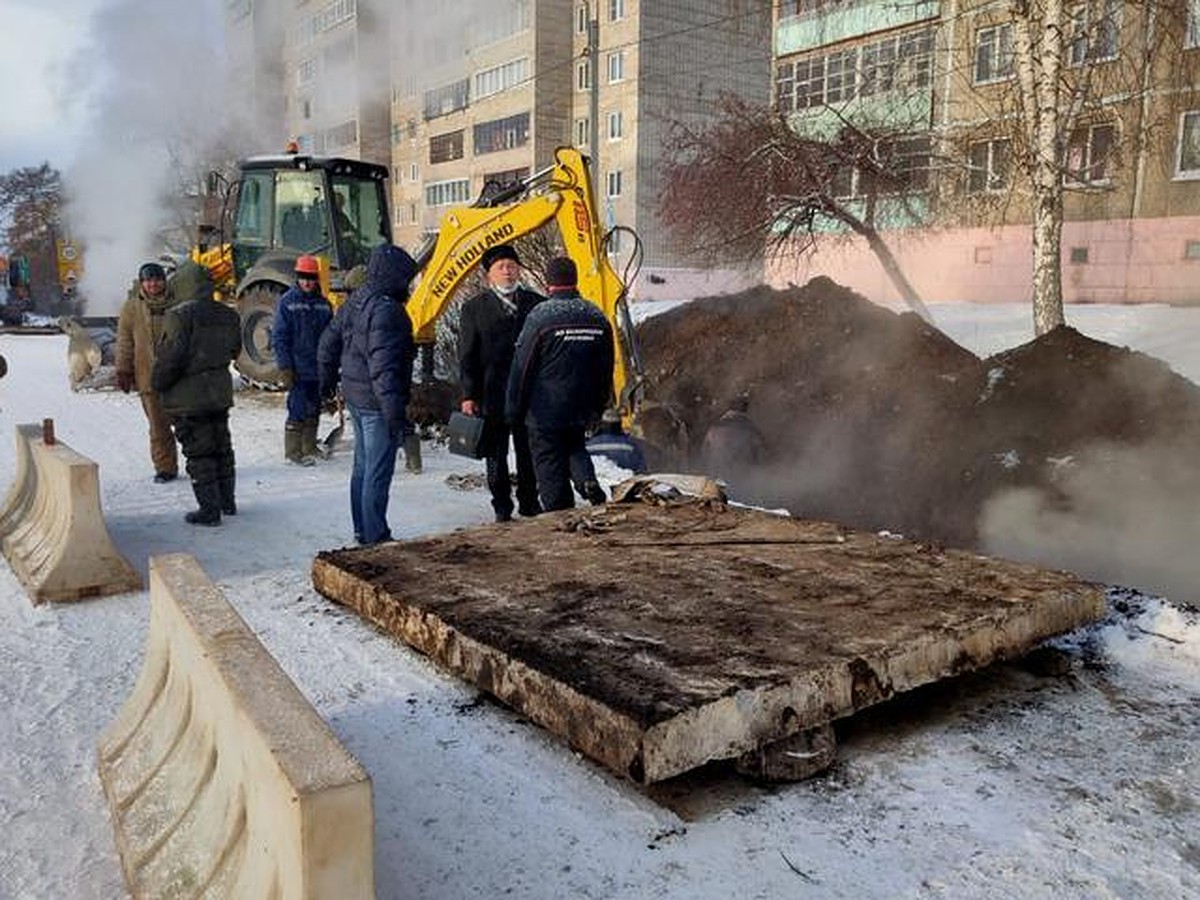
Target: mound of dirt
[879, 421]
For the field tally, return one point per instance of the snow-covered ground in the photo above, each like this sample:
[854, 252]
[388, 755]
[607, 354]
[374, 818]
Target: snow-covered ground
[999, 785]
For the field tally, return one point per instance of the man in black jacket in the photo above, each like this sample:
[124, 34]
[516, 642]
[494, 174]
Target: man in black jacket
[201, 337]
[488, 330]
[559, 385]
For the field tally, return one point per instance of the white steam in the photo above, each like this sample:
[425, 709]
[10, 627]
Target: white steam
[152, 77]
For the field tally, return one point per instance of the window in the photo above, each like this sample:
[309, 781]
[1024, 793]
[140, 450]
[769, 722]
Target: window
[993, 54]
[616, 10]
[582, 132]
[1193, 24]
[988, 166]
[445, 147]
[902, 167]
[616, 66]
[498, 21]
[616, 121]
[446, 99]
[306, 72]
[581, 19]
[507, 177]
[1188, 165]
[583, 76]
[342, 135]
[899, 63]
[839, 76]
[502, 134]
[500, 78]
[446, 193]
[613, 184]
[1089, 155]
[1094, 32]
[414, 172]
[785, 87]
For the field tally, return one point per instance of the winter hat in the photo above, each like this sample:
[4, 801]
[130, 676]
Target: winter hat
[497, 253]
[561, 272]
[151, 270]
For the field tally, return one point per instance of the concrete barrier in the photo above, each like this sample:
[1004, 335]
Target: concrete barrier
[221, 779]
[52, 530]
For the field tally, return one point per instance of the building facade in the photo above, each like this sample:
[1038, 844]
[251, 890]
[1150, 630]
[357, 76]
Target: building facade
[1131, 165]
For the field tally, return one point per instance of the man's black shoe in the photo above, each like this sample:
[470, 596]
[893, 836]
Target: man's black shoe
[164, 477]
[203, 517]
[229, 509]
[594, 494]
[503, 517]
[530, 511]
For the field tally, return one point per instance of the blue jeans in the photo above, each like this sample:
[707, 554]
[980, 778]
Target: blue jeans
[371, 476]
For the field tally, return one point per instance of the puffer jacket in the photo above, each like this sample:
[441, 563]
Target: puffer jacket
[300, 318]
[369, 343]
[139, 329]
[562, 367]
[201, 337]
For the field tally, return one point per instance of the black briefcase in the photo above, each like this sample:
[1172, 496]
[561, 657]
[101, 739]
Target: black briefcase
[464, 435]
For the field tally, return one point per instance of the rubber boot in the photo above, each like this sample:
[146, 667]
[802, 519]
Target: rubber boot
[228, 503]
[293, 443]
[308, 442]
[208, 495]
[412, 453]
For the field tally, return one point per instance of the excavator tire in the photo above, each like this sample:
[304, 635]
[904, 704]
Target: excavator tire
[256, 308]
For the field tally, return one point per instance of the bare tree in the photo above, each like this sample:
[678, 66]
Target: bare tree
[748, 180]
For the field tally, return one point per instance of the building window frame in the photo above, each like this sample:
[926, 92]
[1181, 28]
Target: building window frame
[1094, 41]
[616, 125]
[616, 10]
[1187, 149]
[989, 166]
[612, 183]
[583, 132]
[448, 192]
[994, 59]
[1089, 155]
[583, 76]
[614, 63]
[447, 147]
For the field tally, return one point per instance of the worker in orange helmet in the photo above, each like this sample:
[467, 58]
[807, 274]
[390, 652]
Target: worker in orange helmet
[300, 318]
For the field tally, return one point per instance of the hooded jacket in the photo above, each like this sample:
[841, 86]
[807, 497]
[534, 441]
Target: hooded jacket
[139, 329]
[201, 337]
[369, 343]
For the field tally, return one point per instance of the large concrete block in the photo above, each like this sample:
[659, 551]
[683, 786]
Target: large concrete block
[657, 639]
[222, 780]
[52, 529]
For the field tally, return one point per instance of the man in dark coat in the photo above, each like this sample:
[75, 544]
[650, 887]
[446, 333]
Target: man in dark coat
[560, 384]
[201, 337]
[370, 345]
[488, 330]
[300, 318]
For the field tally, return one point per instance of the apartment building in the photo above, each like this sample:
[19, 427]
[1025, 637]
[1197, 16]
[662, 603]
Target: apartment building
[1131, 209]
[452, 96]
[662, 64]
[480, 94]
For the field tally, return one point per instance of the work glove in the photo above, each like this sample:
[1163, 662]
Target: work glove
[287, 378]
[125, 381]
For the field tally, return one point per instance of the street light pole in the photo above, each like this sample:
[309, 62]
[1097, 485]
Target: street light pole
[593, 51]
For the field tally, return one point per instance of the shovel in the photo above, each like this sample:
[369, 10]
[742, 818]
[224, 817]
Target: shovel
[330, 440]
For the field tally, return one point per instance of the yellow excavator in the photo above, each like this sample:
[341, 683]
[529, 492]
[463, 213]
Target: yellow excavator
[336, 209]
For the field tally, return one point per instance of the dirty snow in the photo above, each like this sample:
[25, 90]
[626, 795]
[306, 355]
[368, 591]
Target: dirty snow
[1000, 784]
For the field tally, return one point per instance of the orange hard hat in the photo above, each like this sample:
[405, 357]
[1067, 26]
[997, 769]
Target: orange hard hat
[308, 265]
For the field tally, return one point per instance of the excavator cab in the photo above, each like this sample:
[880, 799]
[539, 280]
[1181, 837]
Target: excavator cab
[289, 205]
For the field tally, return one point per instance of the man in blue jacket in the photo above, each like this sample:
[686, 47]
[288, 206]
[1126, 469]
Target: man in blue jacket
[559, 386]
[300, 318]
[370, 343]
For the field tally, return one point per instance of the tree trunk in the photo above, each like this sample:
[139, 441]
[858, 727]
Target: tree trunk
[892, 268]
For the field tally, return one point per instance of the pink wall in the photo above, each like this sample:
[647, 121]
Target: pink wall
[1128, 261]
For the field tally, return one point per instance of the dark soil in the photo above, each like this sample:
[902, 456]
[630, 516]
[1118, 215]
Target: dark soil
[879, 421]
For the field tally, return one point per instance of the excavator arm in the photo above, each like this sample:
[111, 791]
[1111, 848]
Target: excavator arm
[563, 194]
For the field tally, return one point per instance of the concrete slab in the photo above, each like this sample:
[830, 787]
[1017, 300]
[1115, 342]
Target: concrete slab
[657, 638]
